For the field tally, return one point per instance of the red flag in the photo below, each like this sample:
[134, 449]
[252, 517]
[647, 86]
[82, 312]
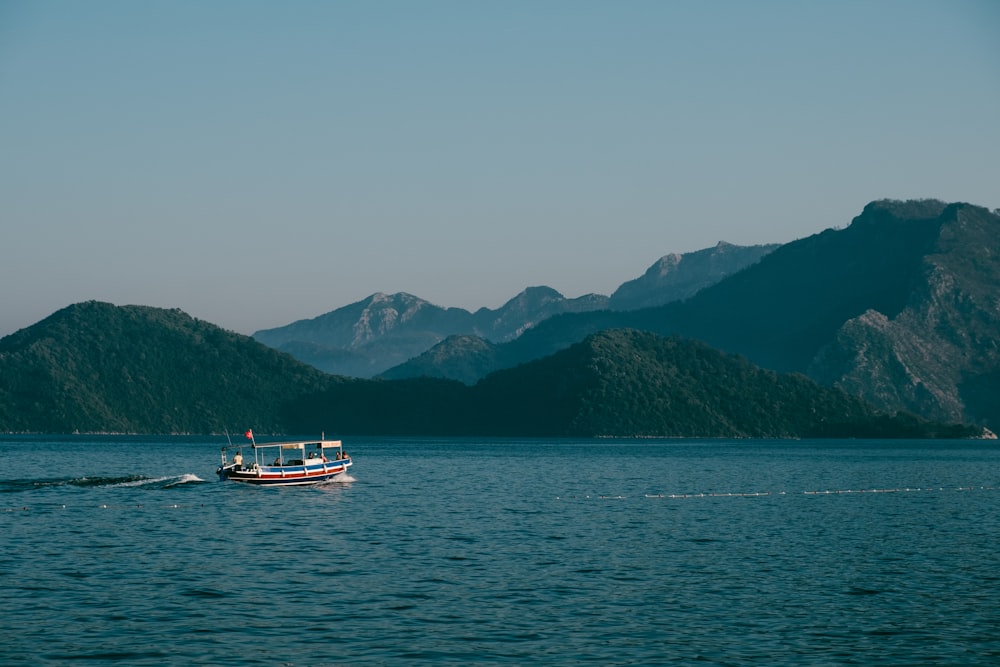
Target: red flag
[249, 434]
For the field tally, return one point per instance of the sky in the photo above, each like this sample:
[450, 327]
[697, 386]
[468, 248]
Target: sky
[256, 163]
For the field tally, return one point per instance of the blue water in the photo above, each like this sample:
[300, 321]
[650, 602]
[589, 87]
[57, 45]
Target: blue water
[115, 552]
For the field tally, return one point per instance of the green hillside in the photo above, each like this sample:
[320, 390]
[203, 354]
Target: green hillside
[628, 382]
[95, 367]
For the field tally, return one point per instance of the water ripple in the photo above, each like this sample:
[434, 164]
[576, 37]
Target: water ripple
[668, 553]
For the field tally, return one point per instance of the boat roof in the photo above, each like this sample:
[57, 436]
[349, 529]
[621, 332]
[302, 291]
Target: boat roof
[301, 444]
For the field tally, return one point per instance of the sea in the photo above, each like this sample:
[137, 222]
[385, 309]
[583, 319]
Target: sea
[126, 550]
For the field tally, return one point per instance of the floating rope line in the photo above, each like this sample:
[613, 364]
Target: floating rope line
[760, 494]
[54, 507]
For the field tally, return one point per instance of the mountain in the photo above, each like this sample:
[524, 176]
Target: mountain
[384, 330]
[900, 307]
[527, 309]
[940, 354]
[677, 277]
[366, 338]
[95, 367]
[460, 357]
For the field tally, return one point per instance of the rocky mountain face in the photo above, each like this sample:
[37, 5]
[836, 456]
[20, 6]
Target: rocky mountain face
[368, 337]
[938, 356]
[902, 307]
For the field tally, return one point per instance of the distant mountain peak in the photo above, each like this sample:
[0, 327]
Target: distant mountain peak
[395, 296]
[534, 296]
[676, 277]
[911, 209]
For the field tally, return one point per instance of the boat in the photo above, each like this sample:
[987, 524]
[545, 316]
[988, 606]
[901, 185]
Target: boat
[297, 463]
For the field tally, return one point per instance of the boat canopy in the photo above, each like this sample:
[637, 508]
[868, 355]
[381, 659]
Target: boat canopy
[298, 445]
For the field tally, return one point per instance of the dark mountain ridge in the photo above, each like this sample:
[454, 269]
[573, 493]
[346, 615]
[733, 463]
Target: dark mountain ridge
[823, 305]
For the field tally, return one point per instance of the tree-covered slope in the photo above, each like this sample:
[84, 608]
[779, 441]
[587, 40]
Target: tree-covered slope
[96, 367]
[628, 382]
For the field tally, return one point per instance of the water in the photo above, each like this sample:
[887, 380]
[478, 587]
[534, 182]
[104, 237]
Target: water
[115, 552]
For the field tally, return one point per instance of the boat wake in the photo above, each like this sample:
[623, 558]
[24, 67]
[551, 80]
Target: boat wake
[22, 485]
[342, 479]
[163, 482]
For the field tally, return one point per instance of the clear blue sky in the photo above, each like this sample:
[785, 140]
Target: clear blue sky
[255, 163]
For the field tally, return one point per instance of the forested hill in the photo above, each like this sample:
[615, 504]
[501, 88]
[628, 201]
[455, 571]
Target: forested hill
[628, 382]
[95, 367]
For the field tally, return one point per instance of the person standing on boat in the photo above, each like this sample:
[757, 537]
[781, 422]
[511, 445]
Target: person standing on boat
[238, 459]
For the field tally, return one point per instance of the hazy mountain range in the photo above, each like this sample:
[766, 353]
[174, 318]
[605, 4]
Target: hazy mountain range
[370, 336]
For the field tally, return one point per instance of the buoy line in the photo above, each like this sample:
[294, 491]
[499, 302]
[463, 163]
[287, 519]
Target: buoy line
[52, 507]
[761, 494]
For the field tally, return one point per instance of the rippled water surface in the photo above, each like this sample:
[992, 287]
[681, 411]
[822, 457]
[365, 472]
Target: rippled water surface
[127, 551]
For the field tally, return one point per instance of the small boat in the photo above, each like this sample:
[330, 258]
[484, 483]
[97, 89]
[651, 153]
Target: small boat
[286, 463]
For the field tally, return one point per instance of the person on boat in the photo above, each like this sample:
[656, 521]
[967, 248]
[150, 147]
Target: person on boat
[238, 459]
[339, 455]
[277, 461]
